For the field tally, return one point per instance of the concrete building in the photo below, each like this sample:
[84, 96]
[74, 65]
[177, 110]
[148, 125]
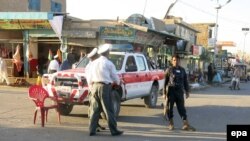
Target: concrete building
[205, 35]
[184, 47]
[33, 6]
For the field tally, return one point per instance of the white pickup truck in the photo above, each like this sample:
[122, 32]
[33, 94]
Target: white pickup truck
[139, 80]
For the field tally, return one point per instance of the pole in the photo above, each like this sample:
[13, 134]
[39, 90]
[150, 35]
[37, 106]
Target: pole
[215, 35]
[217, 7]
[245, 31]
[243, 55]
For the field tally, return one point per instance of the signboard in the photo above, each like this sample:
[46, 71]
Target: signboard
[211, 42]
[196, 50]
[117, 33]
[226, 43]
[25, 24]
[78, 34]
[148, 38]
[142, 37]
[222, 54]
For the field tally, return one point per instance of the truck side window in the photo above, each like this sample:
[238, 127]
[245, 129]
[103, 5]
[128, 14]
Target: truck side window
[130, 64]
[141, 63]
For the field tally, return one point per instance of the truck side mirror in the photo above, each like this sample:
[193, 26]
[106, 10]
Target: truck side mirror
[131, 68]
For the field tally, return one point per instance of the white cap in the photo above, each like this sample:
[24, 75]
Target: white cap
[56, 56]
[104, 48]
[92, 53]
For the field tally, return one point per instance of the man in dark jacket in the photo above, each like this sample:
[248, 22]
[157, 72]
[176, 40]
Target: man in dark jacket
[173, 92]
[72, 56]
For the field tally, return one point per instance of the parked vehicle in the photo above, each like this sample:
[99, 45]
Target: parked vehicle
[139, 80]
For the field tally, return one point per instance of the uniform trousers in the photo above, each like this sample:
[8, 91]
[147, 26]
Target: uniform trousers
[101, 100]
[176, 95]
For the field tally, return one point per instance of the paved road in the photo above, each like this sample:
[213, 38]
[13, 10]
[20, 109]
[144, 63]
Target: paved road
[209, 110]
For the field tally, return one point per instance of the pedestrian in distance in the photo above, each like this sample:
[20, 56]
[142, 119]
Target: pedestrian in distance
[54, 65]
[210, 73]
[236, 77]
[72, 56]
[102, 75]
[92, 56]
[173, 92]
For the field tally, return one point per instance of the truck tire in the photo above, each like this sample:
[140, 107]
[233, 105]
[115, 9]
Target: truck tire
[116, 99]
[151, 100]
[65, 109]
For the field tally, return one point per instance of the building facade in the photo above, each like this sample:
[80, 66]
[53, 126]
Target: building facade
[33, 6]
[205, 35]
[27, 25]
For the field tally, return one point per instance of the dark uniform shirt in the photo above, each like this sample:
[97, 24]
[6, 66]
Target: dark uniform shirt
[176, 77]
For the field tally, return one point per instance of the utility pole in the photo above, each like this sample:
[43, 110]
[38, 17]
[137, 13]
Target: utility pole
[245, 31]
[217, 7]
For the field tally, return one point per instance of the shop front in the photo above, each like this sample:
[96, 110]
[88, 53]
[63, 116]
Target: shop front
[24, 37]
[145, 40]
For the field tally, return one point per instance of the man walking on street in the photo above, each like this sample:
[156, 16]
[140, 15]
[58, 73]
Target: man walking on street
[92, 56]
[173, 92]
[102, 75]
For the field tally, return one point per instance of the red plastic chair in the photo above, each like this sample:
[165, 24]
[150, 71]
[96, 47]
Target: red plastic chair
[38, 94]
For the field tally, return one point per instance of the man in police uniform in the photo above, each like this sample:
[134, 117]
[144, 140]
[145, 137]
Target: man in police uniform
[102, 75]
[173, 92]
[92, 56]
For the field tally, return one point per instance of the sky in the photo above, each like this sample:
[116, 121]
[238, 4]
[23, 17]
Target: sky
[231, 18]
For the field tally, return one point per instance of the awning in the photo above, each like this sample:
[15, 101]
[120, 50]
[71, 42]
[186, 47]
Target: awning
[25, 20]
[146, 29]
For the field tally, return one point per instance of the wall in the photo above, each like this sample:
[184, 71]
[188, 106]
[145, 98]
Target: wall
[11, 34]
[203, 36]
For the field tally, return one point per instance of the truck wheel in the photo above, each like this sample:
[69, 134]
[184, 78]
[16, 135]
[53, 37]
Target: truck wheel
[65, 109]
[116, 99]
[151, 100]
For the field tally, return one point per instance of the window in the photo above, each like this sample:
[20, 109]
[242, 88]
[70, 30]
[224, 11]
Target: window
[117, 60]
[141, 63]
[130, 64]
[34, 5]
[56, 7]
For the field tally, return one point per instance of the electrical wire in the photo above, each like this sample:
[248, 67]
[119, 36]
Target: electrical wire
[208, 13]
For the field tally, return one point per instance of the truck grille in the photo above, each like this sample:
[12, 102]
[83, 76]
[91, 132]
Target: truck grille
[72, 82]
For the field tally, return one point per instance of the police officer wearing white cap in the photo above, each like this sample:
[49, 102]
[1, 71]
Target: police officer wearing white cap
[102, 75]
[53, 65]
[92, 56]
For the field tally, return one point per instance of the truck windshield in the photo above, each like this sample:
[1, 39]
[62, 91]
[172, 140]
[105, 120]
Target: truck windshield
[117, 60]
[83, 63]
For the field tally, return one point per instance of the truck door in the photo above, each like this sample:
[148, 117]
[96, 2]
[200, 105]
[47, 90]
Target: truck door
[144, 75]
[131, 78]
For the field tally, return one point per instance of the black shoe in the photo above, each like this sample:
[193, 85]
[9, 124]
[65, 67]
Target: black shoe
[92, 134]
[117, 133]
